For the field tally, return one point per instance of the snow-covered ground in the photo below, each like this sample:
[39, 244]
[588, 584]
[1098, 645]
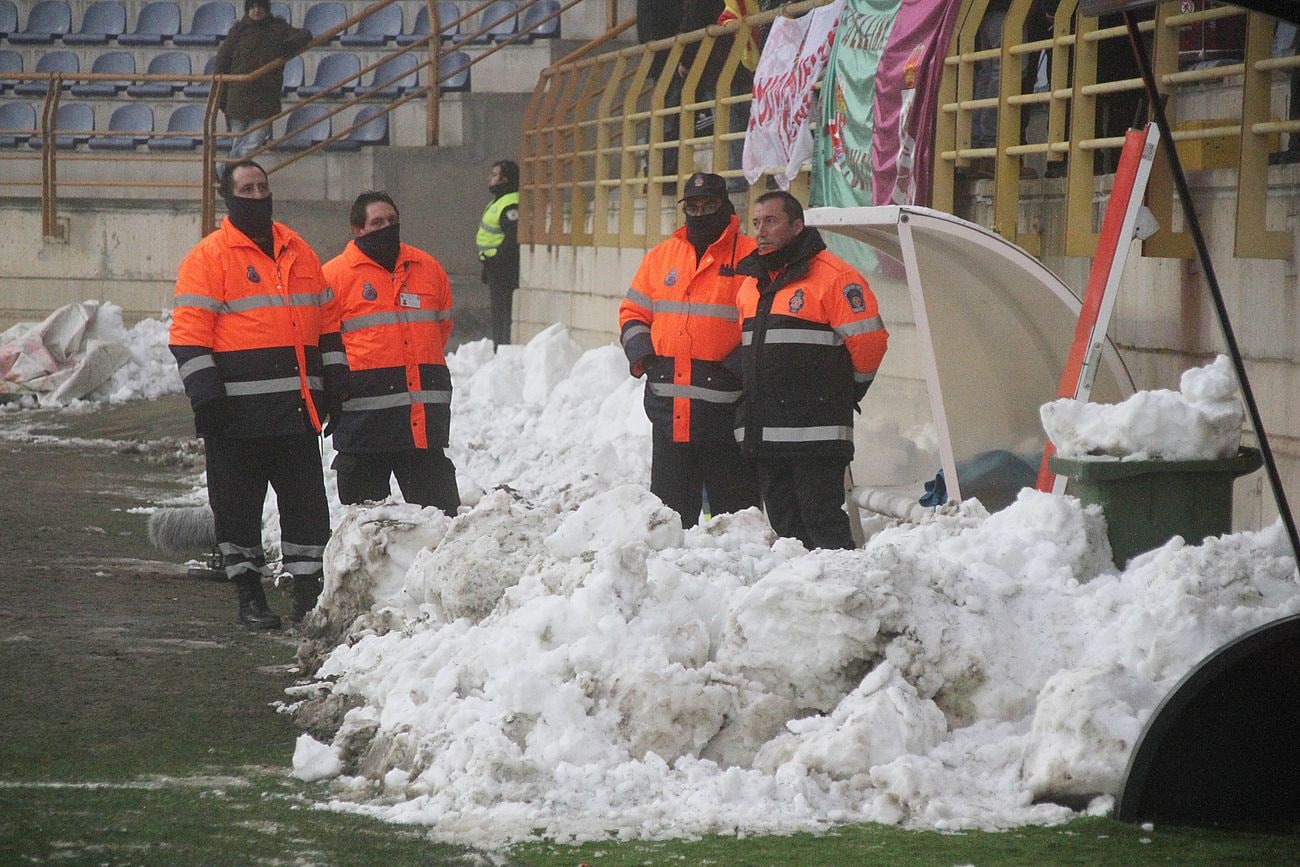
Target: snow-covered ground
[562, 656]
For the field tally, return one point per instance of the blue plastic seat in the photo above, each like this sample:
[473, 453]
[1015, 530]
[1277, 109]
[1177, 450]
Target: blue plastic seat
[294, 74]
[200, 89]
[333, 69]
[104, 20]
[371, 129]
[453, 72]
[8, 17]
[378, 29]
[72, 122]
[158, 22]
[187, 118]
[17, 123]
[47, 21]
[210, 24]
[402, 68]
[325, 16]
[282, 10]
[134, 121]
[419, 28]
[54, 61]
[500, 19]
[535, 13]
[167, 63]
[109, 63]
[307, 126]
[10, 61]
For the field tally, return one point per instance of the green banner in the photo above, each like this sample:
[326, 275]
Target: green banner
[841, 166]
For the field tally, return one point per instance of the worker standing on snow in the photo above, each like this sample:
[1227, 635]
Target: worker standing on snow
[680, 330]
[258, 358]
[393, 303]
[813, 340]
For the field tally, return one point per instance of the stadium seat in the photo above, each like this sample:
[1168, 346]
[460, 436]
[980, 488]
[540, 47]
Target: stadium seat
[307, 126]
[18, 123]
[110, 62]
[453, 71]
[186, 118]
[401, 68]
[210, 24]
[54, 61]
[10, 61]
[167, 63]
[158, 22]
[8, 18]
[379, 29]
[282, 10]
[200, 89]
[71, 123]
[419, 29]
[372, 129]
[294, 74]
[535, 13]
[332, 69]
[325, 16]
[48, 20]
[134, 121]
[104, 20]
[500, 19]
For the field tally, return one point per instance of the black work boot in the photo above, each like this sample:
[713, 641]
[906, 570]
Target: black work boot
[305, 593]
[253, 610]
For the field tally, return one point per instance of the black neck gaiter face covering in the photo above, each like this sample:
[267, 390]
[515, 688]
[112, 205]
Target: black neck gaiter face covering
[499, 190]
[253, 218]
[382, 245]
[778, 259]
[703, 230]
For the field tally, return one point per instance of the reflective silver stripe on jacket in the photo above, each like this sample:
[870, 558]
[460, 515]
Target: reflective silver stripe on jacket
[195, 364]
[864, 377]
[328, 358]
[824, 433]
[203, 302]
[257, 302]
[635, 331]
[491, 230]
[271, 386]
[402, 398]
[862, 326]
[637, 298]
[690, 308]
[696, 392]
[794, 335]
[370, 320]
[291, 549]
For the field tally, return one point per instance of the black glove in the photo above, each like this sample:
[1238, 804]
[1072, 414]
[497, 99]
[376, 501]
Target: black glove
[859, 392]
[335, 412]
[644, 365]
[211, 418]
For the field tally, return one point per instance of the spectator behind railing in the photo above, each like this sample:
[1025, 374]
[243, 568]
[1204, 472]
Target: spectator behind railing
[254, 41]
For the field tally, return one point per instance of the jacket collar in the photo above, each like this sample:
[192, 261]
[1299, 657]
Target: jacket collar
[807, 245]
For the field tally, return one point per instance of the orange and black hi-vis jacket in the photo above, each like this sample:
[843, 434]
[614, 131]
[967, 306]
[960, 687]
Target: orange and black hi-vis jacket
[812, 343]
[395, 326]
[679, 320]
[254, 331]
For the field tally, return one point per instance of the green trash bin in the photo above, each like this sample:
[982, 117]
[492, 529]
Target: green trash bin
[1147, 503]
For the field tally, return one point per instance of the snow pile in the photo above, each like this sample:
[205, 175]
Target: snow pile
[1200, 421]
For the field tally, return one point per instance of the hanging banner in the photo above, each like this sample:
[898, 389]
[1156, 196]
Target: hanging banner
[779, 134]
[842, 172]
[907, 97]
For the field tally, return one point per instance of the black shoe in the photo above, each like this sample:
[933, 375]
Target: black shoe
[253, 610]
[305, 593]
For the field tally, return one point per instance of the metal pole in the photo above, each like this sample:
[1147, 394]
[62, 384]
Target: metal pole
[1207, 267]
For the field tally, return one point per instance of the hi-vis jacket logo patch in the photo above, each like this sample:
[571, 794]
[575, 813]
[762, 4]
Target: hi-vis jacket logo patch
[670, 279]
[796, 301]
[853, 295]
[252, 275]
[368, 292]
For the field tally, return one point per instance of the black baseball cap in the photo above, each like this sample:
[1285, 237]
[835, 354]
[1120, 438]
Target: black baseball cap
[704, 184]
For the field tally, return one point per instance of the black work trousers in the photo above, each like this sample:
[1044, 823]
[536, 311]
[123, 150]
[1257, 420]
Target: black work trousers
[680, 474]
[426, 477]
[805, 499]
[239, 471]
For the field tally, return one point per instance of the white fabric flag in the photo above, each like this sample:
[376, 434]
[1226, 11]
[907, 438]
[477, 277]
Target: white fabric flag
[793, 59]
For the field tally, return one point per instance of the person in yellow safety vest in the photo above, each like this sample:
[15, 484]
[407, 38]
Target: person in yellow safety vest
[498, 246]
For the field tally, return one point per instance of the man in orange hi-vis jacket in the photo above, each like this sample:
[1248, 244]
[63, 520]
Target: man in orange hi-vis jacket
[680, 329]
[393, 303]
[261, 363]
[812, 343]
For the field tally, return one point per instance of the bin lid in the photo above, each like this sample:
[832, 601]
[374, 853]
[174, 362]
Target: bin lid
[991, 324]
